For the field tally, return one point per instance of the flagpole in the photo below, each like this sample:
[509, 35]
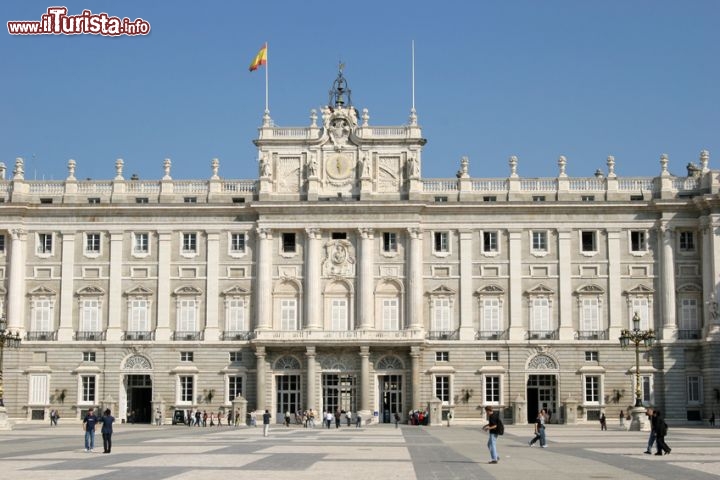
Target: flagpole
[267, 63]
[413, 113]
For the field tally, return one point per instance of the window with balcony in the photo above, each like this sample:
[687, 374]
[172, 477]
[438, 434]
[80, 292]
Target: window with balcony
[491, 323]
[138, 315]
[540, 318]
[42, 316]
[90, 316]
[442, 315]
[689, 321]
[288, 314]
[187, 310]
[390, 314]
[236, 315]
[339, 314]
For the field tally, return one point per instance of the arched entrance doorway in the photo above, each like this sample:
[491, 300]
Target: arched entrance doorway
[390, 379]
[136, 392]
[542, 390]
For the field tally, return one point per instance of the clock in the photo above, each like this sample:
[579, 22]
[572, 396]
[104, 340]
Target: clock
[339, 166]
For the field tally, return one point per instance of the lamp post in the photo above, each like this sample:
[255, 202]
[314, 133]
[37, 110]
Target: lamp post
[637, 337]
[12, 340]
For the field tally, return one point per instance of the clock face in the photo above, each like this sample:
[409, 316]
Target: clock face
[339, 166]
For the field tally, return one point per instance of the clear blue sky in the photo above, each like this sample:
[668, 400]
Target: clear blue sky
[536, 79]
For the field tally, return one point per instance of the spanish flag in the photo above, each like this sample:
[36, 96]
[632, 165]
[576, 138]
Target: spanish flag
[260, 58]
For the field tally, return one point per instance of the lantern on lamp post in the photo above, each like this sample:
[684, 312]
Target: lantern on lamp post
[637, 337]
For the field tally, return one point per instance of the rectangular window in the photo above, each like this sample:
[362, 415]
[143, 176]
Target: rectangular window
[186, 388]
[587, 198]
[540, 321]
[492, 356]
[190, 199]
[141, 242]
[491, 315]
[288, 243]
[93, 200]
[42, 315]
[2, 243]
[39, 389]
[88, 386]
[694, 389]
[687, 241]
[442, 356]
[539, 241]
[186, 356]
[236, 315]
[138, 315]
[638, 241]
[338, 235]
[338, 314]
[88, 356]
[390, 314]
[689, 318]
[440, 244]
[45, 243]
[389, 242]
[288, 314]
[591, 356]
[141, 200]
[441, 199]
[490, 198]
[236, 357]
[234, 387]
[647, 389]
[441, 315]
[492, 389]
[590, 321]
[592, 389]
[92, 243]
[442, 388]
[642, 308]
[189, 242]
[187, 311]
[90, 315]
[538, 198]
[588, 241]
[490, 242]
[237, 243]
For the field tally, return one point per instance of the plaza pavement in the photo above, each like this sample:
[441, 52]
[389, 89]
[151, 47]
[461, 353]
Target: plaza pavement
[35, 451]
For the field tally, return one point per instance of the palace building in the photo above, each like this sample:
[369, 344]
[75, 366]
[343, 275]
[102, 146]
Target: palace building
[340, 278]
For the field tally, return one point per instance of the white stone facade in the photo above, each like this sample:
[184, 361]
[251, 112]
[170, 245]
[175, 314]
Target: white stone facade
[342, 278]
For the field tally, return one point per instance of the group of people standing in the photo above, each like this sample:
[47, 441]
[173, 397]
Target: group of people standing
[90, 422]
[203, 419]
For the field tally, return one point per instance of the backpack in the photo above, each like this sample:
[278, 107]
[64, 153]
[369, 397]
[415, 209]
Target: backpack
[500, 428]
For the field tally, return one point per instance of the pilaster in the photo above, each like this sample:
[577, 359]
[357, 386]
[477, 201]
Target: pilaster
[16, 287]
[264, 279]
[365, 381]
[467, 330]
[115, 297]
[516, 329]
[367, 279]
[212, 329]
[261, 369]
[415, 373]
[65, 331]
[415, 280]
[614, 294]
[311, 378]
[566, 331]
[162, 331]
[668, 281]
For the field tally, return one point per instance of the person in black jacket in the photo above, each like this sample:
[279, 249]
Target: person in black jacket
[660, 428]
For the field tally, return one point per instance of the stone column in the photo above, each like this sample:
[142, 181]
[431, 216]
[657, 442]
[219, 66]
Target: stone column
[264, 280]
[67, 276]
[515, 314]
[415, 280]
[668, 282]
[614, 292]
[566, 330]
[367, 279]
[467, 330]
[212, 289]
[16, 286]
[115, 297]
[311, 380]
[260, 372]
[162, 330]
[711, 272]
[415, 377]
[365, 382]
[313, 300]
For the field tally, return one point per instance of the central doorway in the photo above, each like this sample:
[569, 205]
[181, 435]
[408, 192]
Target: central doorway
[339, 392]
[390, 396]
[541, 393]
[288, 395]
[139, 398]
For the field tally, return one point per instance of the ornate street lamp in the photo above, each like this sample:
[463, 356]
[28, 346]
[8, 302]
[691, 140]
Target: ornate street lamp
[637, 337]
[7, 339]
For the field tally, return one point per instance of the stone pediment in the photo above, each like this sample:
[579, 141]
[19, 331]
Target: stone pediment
[42, 291]
[138, 291]
[640, 289]
[540, 289]
[187, 290]
[236, 291]
[91, 290]
[590, 290]
[490, 290]
[442, 290]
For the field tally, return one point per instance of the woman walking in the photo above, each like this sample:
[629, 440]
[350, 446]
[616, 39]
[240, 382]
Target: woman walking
[539, 430]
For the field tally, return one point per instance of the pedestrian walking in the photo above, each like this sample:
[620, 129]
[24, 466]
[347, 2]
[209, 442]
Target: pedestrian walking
[54, 418]
[712, 419]
[539, 430]
[348, 417]
[287, 418]
[337, 418]
[397, 419]
[89, 423]
[266, 423]
[494, 427]
[661, 430]
[622, 419]
[603, 421]
[311, 418]
[328, 419]
[358, 420]
[650, 412]
[107, 421]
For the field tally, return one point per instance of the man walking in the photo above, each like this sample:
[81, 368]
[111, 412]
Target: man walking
[266, 423]
[494, 428]
[650, 412]
[89, 423]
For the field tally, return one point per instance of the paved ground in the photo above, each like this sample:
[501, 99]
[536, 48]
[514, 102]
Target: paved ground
[379, 452]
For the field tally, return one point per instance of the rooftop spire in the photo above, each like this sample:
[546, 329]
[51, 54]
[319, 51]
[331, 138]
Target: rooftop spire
[340, 93]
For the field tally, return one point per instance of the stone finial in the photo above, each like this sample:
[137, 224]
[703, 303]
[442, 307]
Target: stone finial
[704, 160]
[119, 169]
[166, 167]
[413, 117]
[463, 172]
[611, 166]
[562, 163]
[71, 169]
[19, 172]
[313, 118]
[365, 117]
[3, 169]
[664, 165]
[215, 166]
[267, 121]
[513, 166]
